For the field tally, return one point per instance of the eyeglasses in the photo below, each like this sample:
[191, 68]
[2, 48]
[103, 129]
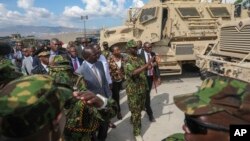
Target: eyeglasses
[197, 127]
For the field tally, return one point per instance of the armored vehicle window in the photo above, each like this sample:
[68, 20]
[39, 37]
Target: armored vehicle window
[188, 12]
[147, 14]
[219, 12]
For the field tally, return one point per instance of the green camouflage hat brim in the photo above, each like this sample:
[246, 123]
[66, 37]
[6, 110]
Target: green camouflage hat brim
[131, 44]
[216, 94]
[175, 137]
[6, 63]
[32, 102]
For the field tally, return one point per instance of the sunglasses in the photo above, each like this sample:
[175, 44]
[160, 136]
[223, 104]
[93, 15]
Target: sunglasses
[197, 127]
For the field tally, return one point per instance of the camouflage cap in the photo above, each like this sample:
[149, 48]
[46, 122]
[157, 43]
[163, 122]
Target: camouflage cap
[218, 94]
[60, 61]
[104, 43]
[175, 137]
[43, 53]
[131, 43]
[30, 103]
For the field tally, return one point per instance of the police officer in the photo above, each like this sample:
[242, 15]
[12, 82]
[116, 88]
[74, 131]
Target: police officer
[209, 112]
[106, 52]
[136, 86]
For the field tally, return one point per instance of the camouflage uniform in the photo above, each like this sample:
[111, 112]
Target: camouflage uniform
[135, 89]
[7, 69]
[106, 53]
[82, 120]
[217, 94]
[175, 137]
[21, 100]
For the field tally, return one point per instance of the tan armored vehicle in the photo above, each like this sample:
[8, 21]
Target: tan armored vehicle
[179, 29]
[230, 56]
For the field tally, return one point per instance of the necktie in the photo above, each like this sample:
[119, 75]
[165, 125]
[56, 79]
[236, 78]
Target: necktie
[96, 74]
[150, 71]
[75, 64]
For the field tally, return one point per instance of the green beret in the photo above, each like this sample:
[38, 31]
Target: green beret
[29, 103]
[131, 44]
[218, 94]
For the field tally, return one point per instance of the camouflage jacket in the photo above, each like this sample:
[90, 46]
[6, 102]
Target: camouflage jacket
[7, 72]
[80, 117]
[106, 53]
[135, 83]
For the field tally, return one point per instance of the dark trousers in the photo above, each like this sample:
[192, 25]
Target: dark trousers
[116, 88]
[147, 103]
[103, 131]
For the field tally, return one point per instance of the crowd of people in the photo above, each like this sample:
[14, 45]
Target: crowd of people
[51, 93]
[84, 68]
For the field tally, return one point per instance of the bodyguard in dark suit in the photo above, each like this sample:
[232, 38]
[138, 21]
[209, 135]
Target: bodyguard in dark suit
[55, 48]
[95, 79]
[82, 43]
[152, 73]
[76, 62]
[42, 67]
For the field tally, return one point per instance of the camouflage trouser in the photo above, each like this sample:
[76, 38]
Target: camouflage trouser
[136, 103]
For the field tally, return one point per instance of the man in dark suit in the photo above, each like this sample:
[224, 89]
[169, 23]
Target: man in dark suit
[152, 73]
[82, 43]
[76, 62]
[42, 67]
[55, 46]
[95, 79]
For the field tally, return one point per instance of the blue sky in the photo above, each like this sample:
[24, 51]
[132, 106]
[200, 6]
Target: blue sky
[102, 13]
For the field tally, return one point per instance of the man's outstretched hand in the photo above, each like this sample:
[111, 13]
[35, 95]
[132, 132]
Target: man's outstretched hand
[89, 98]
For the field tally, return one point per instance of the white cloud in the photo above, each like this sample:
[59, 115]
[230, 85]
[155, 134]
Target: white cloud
[138, 3]
[31, 15]
[25, 4]
[74, 11]
[38, 12]
[97, 8]
[2, 9]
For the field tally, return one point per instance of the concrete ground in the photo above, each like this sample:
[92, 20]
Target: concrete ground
[169, 119]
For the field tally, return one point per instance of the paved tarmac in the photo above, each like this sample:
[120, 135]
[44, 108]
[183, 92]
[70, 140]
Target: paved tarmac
[169, 119]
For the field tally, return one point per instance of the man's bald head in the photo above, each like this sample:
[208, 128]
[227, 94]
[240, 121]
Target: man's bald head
[90, 54]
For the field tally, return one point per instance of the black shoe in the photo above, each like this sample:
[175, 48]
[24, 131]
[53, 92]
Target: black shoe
[152, 119]
[112, 125]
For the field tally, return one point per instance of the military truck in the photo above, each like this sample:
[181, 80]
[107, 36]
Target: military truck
[179, 29]
[230, 56]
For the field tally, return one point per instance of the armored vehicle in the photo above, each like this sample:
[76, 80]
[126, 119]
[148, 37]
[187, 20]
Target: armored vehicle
[179, 29]
[230, 56]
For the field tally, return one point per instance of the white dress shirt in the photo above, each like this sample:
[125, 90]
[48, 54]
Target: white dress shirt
[106, 68]
[91, 66]
[27, 65]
